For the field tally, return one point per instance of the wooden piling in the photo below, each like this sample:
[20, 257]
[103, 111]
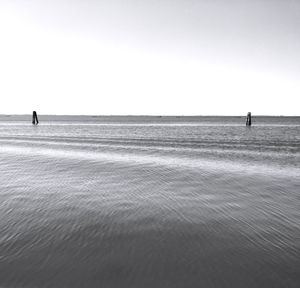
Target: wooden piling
[35, 119]
[248, 120]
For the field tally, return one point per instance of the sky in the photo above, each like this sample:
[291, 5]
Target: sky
[155, 57]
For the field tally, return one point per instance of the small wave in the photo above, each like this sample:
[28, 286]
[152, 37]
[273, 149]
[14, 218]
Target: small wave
[152, 159]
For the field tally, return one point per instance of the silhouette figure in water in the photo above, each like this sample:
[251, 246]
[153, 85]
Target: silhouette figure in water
[248, 121]
[35, 120]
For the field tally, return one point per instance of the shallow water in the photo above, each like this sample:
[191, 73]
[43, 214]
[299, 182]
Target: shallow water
[149, 202]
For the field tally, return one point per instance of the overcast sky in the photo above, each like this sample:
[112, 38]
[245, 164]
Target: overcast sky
[155, 57]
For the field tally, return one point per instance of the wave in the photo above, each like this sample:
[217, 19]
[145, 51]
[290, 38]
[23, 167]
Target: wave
[145, 156]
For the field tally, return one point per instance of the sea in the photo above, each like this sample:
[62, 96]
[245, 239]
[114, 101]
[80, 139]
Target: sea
[141, 201]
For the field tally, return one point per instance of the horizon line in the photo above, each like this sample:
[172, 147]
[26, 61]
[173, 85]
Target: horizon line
[151, 115]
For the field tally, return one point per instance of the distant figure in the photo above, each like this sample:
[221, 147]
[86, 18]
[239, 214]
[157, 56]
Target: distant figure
[35, 120]
[248, 121]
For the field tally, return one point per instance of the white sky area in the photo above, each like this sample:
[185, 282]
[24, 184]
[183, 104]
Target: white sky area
[155, 57]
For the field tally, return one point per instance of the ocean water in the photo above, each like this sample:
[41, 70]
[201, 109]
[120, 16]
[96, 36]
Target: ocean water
[149, 202]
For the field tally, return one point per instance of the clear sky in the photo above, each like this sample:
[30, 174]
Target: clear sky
[155, 57]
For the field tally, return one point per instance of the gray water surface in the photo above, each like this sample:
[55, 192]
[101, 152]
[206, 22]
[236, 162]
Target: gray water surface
[149, 202]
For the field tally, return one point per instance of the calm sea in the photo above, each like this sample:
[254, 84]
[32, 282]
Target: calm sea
[149, 202]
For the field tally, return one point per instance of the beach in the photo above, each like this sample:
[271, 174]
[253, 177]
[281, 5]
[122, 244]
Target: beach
[149, 201]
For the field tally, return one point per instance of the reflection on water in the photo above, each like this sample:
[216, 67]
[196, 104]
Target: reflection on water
[149, 206]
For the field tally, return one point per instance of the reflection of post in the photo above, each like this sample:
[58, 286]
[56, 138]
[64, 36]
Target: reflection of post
[248, 121]
[35, 120]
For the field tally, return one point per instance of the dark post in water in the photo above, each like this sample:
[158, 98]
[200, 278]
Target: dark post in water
[35, 120]
[248, 121]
